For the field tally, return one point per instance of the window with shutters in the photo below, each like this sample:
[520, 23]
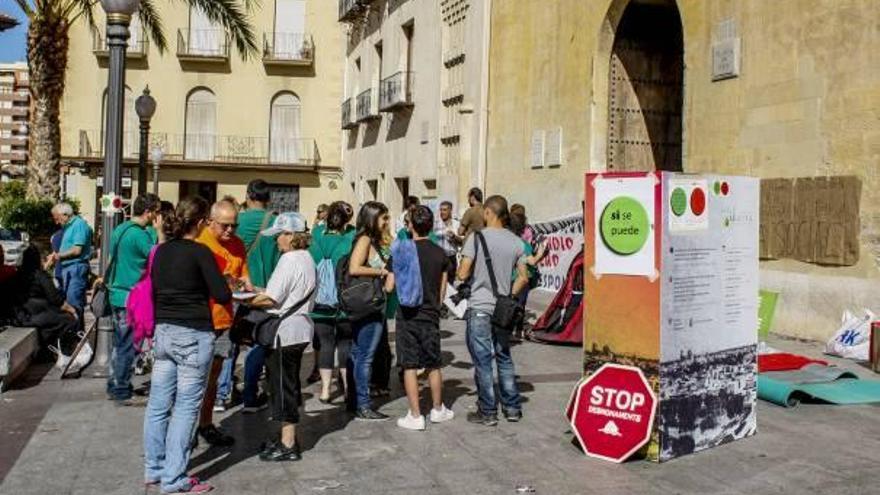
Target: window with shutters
[200, 125]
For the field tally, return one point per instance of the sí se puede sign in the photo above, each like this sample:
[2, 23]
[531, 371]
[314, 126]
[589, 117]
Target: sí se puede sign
[613, 412]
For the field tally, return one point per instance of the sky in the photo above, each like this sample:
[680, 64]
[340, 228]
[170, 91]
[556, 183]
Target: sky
[13, 41]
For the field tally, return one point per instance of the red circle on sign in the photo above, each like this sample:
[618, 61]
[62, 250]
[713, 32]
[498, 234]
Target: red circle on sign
[698, 201]
[613, 413]
[725, 188]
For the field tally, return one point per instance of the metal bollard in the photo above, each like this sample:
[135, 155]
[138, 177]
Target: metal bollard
[101, 364]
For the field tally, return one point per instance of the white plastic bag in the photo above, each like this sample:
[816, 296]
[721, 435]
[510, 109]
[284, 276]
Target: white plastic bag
[853, 338]
[81, 361]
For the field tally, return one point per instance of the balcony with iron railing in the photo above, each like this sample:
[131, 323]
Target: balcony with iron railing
[15, 111]
[13, 140]
[396, 91]
[14, 155]
[366, 106]
[203, 45]
[348, 121]
[15, 96]
[137, 47]
[212, 149]
[349, 9]
[297, 49]
[19, 126]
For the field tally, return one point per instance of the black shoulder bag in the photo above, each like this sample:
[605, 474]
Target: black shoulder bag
[508, 311]
[360, 297]
[258, 326]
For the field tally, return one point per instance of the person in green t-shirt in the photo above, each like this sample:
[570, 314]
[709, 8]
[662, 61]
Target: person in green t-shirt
[332, 327]
[262, 252]
[130, 246]
[262, 257]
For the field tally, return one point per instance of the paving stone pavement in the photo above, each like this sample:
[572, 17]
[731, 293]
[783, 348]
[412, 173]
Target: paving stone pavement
[66, 438]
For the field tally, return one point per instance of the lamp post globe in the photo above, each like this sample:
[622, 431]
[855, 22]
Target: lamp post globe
[156, 154]
[120, 7]
[145, 106]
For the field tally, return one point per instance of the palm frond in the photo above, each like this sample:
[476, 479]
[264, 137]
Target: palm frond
[74, 9]
[231, 15]
[26, 8]
[151, 21]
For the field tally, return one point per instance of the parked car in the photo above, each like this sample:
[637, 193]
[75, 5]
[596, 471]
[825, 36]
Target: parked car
[14, 243]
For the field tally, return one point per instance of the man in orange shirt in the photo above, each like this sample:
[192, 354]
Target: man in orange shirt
[231, 256]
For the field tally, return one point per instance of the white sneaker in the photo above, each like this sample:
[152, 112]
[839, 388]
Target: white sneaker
[442, 414]
[411, 422]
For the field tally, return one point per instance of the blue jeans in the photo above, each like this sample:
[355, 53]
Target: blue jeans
[183, 358]
[75, 279]
[224, 381]
[483, 347]
[253, 367]
[121, 358]
[363, 347]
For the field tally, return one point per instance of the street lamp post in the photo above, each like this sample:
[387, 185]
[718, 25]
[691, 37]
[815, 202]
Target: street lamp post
[145, 106]
[119, 14]
[156, 154]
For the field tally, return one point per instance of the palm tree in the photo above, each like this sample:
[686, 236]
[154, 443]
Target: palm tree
[49, 23]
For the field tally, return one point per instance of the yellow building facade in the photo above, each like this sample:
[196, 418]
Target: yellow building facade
[786, 88]
[220, 121]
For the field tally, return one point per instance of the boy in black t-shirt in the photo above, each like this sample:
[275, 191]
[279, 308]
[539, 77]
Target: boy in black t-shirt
[418, 329]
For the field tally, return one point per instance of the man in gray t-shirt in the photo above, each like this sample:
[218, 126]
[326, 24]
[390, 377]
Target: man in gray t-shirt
[506, 250]
[508, 257]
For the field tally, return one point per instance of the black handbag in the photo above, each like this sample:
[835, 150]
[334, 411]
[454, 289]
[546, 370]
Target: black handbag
[508, 312]
[257, 326]
[359, 297]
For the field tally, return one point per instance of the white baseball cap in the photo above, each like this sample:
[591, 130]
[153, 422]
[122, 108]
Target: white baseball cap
[290, 221]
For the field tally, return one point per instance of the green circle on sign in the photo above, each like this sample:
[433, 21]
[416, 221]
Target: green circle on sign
[717, 188]
[624, 225]
[678, 201]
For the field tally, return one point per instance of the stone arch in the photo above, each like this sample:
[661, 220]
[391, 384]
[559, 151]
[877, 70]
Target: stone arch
[638, 88]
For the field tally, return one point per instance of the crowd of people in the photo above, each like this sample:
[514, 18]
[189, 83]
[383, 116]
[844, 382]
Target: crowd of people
[229, 279]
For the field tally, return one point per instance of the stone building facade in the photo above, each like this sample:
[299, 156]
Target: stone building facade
[220, 120]
[413, 114]
[788, 88]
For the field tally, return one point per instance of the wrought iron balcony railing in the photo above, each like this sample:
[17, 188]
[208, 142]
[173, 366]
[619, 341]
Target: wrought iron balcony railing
[137, 47]
[210, 148]
[203, 45]
[288, 49]
[349, 9]
[396, 91]
[366, 106]
[348, 121]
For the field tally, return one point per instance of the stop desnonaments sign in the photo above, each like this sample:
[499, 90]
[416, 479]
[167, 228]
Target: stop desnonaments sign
[613, 412]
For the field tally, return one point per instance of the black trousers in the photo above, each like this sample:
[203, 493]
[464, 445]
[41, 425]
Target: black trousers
[382, 361]
[54, 325]
[334, 337]
[282, 373]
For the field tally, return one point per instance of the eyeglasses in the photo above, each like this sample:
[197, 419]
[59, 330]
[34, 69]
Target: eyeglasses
[226, 226]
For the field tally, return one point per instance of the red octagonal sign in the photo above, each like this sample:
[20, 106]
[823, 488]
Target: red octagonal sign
[613, 412]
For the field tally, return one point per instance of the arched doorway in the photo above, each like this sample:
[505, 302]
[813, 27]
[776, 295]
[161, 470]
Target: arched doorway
[645, 78]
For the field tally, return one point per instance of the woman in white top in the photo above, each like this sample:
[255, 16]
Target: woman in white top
[291, 284]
